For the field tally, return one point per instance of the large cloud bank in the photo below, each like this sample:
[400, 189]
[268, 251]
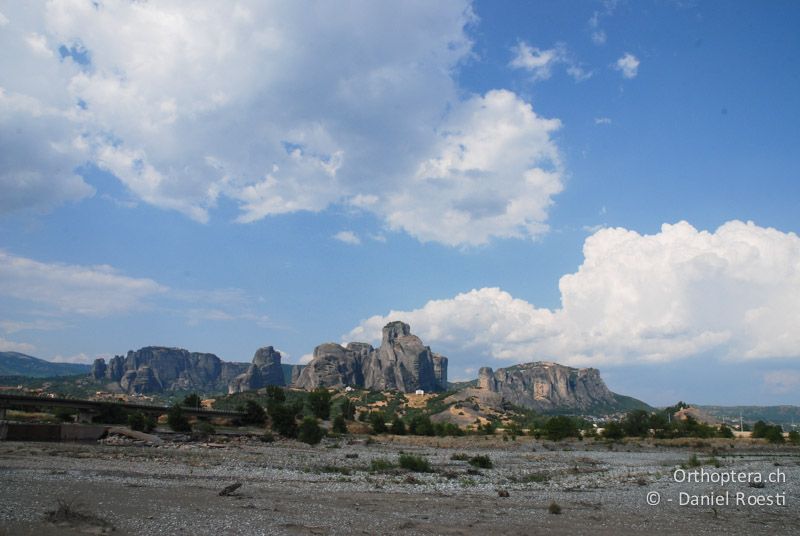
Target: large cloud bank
[277, 106]
[678, 294]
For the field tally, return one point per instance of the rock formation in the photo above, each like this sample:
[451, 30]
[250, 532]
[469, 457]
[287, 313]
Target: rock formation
[155, 369]
[544, 386]
[264, 370]
[402, 362]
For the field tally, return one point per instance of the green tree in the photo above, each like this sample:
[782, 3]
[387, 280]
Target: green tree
[560, 427]
[613, 430]
[421, 425]
[276, 392]
[141, 422]
[282, 417]
[398, 426]
[254, 414]
[794, 437]
[310, 432]
[347, 408]
[177, 420]
[319, 402]
[637, 423]
[378, 422]
[339, 425]
[191, 401]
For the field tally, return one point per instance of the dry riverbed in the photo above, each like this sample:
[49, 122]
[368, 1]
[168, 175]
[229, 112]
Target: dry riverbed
[338, 488]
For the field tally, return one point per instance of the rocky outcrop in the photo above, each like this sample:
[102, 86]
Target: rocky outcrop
[402, 362]
[155, 369]
[264, 370]
[545, 387]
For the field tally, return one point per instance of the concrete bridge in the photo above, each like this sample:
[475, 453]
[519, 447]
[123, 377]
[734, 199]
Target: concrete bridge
[87, 408]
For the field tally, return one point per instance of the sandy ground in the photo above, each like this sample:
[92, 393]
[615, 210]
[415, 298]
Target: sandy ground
[291, 488]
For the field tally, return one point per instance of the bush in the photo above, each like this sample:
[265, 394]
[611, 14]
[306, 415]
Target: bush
[421, 425]
[177, 420]
[378, 422]
[64, 415]
[110, 414]
[310, 432]
[560, 427]
[460, 457]
[191, 401]
[379, 465]
[267, 437]
[319, 402]
[484, 462]
[613, 430]
[339, 425]
[204, 429]
[417, 464]
[254, 414]
[794, 437]
[275, 392]
[283, 419]
[725, 432]
[398, 426]
[140, 422]
[774, 434]
[554, 508]
[636, 423]
[347, 409]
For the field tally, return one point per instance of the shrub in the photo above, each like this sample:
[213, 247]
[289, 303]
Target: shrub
[725, 432]
[484, 462]
[460, 457]
[191, 401]
[378, 422]
[65, 415]
[204, 429]
[421, 425]
[774, 434]
[275, 392]
[613, 430]
[177, 420]
[254, 414]
[110, 414]
[339, 425]
[379, 465]
[418, 464]
[267, 437]
[319, 402]
[140, 422]
[310, 432]
[347, 409]
[283, 419]
[398, 426]
[560, 427]
[554, 508]
[794, 437]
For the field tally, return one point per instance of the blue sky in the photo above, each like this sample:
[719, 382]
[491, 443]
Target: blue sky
[608, 184]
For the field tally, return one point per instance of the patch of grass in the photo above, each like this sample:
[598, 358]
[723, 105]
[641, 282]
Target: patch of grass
[554, 508]
[460, 457]
[70, 513]
[380, 465]
[346, 471]
[538, 478]
[418, 464]
[483, 462]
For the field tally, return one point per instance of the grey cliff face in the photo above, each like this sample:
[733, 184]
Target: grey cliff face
[545, 386]
[155, 369]
[401, 362]
[264, 370]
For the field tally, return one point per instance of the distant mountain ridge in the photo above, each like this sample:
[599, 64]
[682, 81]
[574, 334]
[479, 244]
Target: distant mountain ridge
[17, 364]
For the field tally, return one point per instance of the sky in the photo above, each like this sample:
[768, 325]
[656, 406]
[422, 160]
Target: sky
[610, 184]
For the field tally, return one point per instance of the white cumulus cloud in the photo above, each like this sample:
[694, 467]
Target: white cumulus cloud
[677, 294]
[541, 62]
[86, 290]
[279, 107]
[628, 65]
[14, 346]
[348, 237]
